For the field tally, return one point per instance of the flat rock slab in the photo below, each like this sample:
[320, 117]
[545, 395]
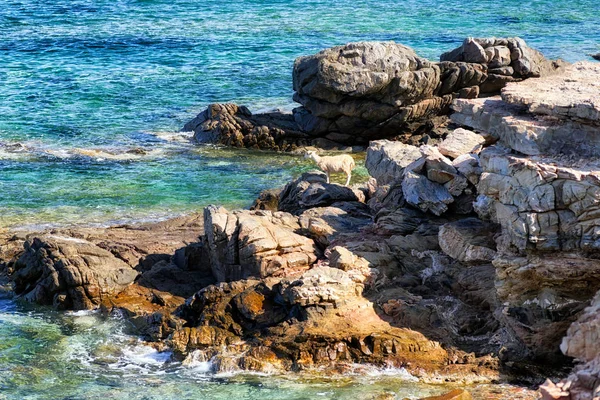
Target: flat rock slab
[573, 93]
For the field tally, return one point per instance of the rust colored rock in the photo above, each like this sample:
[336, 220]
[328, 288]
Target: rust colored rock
[457, 394]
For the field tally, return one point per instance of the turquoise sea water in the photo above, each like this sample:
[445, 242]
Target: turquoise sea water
[82, 82]
[92, 94]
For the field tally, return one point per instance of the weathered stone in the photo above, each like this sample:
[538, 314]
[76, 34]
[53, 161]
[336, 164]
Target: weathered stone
[235, 126]
[469, 240]
[572, 94]
[325, 224]
[468, 165]
[372, 90]
[386, 160]
[69, 273]
[420, 192]
[245, 244]
[267, 200]
[460, 142]
[311, 190]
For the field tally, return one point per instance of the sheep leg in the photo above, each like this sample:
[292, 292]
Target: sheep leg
[327, 177]
[348, 180]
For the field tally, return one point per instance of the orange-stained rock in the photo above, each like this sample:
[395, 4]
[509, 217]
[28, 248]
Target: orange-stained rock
[457, 394]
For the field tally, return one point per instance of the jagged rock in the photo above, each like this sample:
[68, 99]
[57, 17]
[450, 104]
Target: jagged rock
[547, 204]
[502, 56]
[386, 160]
[69, 273]
[469, 240]
[168, 277]
[325, 224]
[468, 165]
[582, 343]
[572, 94]
[424, 194]
[342, 258]
[235, 126]
[149, 312]
[372, 90]
[400, 221]
[461, 142]
[267, 200]
[245, 244]
[311, 190]
[555, 115]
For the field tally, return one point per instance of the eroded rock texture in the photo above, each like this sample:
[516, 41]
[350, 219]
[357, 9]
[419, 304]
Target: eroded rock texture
[359, 92]
[244, 244]
[370, 90]
[69, 273]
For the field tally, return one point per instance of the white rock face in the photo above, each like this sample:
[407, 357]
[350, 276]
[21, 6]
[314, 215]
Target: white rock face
[460, 142]
[554, 115]
[574, 94]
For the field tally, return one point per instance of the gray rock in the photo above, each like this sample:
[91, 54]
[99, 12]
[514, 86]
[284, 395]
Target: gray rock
[386, 160]
[429, 196]
[461, 141]
[69, 273]
[469, 240]
[311, 190]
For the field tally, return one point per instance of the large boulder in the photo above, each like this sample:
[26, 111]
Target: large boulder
[69, 273]
[370, 90]
[258, 244]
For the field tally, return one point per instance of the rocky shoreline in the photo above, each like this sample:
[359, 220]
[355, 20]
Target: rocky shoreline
[470, 256]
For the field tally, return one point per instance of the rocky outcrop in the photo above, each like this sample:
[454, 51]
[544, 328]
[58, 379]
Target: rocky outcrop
[235, 126]
[539, 184]
[359, 92]
[318, 320]
[422, 177]
[69, 273]
[583, 343]
[370, 90]
[312, 190]
[554, 115]
[244, 244]
[507, 60]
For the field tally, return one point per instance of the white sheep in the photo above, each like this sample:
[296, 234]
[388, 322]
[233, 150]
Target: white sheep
[329, 164]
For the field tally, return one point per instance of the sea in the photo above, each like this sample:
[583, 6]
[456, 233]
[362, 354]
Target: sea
[93, 96]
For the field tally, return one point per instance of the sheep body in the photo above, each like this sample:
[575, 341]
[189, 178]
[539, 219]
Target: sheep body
[328, 164]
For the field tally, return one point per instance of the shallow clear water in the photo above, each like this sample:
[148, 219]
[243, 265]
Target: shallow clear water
[50, 355]
[111, 75]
